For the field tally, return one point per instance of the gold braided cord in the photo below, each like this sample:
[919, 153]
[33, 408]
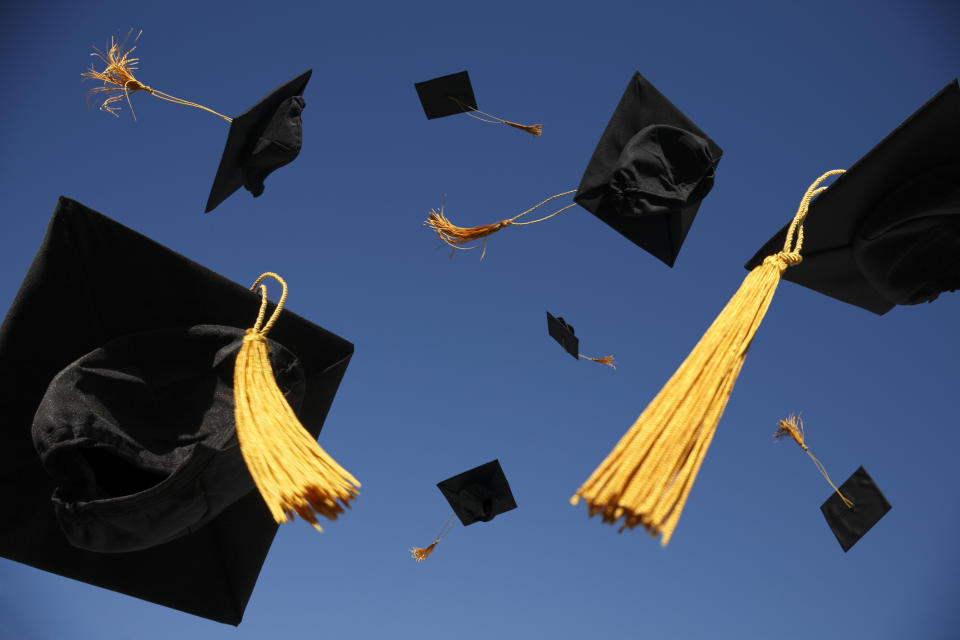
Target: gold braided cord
[420, 554]
[292, 472]
[119, 81]
[647, 477]
[456, 237]
[792, 427]
[533, 129]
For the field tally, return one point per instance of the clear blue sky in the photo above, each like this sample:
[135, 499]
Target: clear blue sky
[453, 366]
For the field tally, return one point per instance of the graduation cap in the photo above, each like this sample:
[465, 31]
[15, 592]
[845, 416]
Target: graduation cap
[261, 140]
[477, 495]
[648, 175]
[118, 391]
[563, 333]
[850, 523]
[888, 231]
[452, 94]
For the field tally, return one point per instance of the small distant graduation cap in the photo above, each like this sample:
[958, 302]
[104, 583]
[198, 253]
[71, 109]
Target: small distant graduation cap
[121, 466]
[563, 333]
[648, 175]
[452, 94]
[887, 232]
[849, 524]
[264, 138]
[477, 495]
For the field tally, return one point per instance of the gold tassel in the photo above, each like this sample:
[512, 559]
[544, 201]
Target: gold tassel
[647, 477]
[119, 81]
[293, 473]
[533, 129]
[420, 554]
[607, 360]
[792, 427]
[455, 236]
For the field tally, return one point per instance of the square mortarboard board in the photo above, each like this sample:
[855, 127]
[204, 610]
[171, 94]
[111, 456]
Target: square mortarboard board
[94, 282]
[480, 494]
[887, 231]
[264, 138]
[649, 172]
[869, 505]
[563, 333]
[435, 95]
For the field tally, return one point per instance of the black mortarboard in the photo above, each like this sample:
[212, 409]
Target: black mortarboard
[263, 139]
[480, 494]
[99, 292]
[887, 231]
[444, 96]
[563, 333]
[869, 505]
[649, 172]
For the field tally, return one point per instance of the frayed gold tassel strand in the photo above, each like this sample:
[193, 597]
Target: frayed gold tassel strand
[456, 236]
[647, 477]
[420, 554]
[293, 473]
[119, 82]
[607, 360]
[792, 427]
[533, 129]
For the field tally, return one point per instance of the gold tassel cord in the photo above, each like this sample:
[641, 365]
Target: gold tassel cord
[420, 554]
[456, 237]
[607, 360]
[119, 81]
[533, 129]
[792, 427]
[647, 477]
[293, 473]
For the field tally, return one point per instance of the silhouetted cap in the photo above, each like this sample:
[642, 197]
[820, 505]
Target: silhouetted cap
[263, 139]
[563, 333]
[120, 466]
[887, 232]
[480, 494]
[439, 96]
[649, 172]
[869, 505]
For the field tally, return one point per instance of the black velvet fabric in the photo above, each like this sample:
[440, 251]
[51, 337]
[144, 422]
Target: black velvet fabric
[266, 137]
[479, 494]
[650, 171]
[869, 505]
[139, 436]
[887, 232]
[93, 281]
[435, 95]
[563, 333]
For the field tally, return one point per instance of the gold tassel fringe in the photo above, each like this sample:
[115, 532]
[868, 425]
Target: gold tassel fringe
[420, 554]
[607, 360]
[648, 476]
[119, 81]
[293, 473]
[456, 237]
[792, 427]
[533, 129]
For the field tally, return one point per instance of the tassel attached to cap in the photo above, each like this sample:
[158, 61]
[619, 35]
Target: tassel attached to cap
[647, 477]
[293, 473]
[533, 129]
[607, 360]
[456, 237]
[420, 554]
[792, 427]
[119, 81]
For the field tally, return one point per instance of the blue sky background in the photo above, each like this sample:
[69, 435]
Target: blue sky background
[453, 365]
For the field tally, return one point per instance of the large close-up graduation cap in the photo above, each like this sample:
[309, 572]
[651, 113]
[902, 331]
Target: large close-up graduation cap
[261, 140]
[887, 232]
[650, 171]
[115, 365]
[646, 178]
